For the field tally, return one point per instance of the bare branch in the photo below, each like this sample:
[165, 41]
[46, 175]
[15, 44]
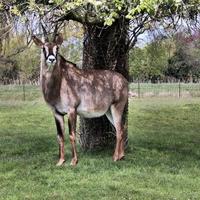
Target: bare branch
[4, 60]
[5, 31]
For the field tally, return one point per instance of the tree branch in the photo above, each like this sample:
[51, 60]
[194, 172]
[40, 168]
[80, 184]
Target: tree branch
[5, 60]
[82, 15]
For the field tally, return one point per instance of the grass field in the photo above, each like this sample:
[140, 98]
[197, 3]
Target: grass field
[162, 161]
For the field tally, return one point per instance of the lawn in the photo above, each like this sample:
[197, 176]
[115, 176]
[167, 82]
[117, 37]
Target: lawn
[162, 161]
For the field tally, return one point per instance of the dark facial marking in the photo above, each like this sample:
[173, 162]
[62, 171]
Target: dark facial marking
[52, 51]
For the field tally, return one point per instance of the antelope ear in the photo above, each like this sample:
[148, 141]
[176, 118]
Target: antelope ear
[59, 39]
[37, 41]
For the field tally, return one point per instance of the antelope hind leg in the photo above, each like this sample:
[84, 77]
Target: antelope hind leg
[117, 120]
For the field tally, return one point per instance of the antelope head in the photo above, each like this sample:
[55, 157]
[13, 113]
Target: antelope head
[49, 50]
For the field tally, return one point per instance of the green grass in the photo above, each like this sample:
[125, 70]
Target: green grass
[162, 161]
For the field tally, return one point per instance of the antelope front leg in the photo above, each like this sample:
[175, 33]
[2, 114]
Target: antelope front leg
[59, 119]
[72, 134]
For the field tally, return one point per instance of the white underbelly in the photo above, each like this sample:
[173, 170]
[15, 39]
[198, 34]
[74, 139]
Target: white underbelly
[83, 111]
[90, 113]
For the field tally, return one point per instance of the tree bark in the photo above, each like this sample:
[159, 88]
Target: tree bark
[103, 48]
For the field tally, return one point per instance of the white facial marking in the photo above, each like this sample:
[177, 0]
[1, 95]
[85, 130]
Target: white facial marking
[51, 60]
[54, 50]
[46, 50]
[51, 57]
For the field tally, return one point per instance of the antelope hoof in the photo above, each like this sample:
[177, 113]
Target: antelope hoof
[121, 157]
[60, 162]
[74, 162]
[115, 158]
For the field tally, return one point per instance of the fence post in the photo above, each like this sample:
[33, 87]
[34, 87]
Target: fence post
[24, 93]
[179, 89]
[139, 88]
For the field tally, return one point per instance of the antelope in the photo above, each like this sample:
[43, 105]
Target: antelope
[87, 93]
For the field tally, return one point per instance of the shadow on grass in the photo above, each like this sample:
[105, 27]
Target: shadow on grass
[43, 151]
[183, 149]
[27, 146]
[154, 140]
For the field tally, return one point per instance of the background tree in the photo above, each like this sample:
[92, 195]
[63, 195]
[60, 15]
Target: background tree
[169, 59]
[150, 62]
[184, 64]
[138, 64]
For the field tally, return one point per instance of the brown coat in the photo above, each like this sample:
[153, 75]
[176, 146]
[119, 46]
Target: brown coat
[68, 87]
[88, 93]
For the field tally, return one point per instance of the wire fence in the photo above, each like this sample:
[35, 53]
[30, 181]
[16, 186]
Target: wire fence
[19, 92]
[178, 90]
[137, 90]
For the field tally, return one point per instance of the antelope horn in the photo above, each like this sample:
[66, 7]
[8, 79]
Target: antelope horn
[55, 33]
[45, 33]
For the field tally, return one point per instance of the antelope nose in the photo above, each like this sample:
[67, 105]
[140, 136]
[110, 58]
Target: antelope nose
[52, 59]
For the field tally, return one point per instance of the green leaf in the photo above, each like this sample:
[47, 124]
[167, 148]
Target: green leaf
[15, 11]
[1, 6]
[108, 21]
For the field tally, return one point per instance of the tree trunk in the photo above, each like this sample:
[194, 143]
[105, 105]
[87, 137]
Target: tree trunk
[103, 48]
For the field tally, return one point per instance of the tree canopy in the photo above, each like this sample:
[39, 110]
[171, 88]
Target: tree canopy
[141, 14]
